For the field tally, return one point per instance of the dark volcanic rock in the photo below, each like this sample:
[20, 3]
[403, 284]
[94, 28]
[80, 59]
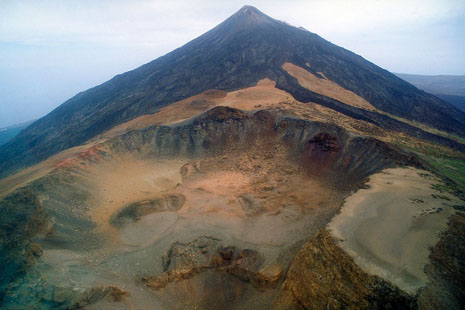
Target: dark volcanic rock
[21, 218]
[242, 50]
[446, 271]
[186, 260]
[321, 153]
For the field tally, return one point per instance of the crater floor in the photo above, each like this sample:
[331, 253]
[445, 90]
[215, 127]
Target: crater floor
[390, 227]
[225, 210]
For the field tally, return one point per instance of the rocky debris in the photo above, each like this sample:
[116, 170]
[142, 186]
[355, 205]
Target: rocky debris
[251, 206]
[323, 276]
[35, 292]
[93, 295]
[265, 117]
[190, 168]
[321, 153]
[136, 210]
[325, 149]
[187, 255]
[221, 114]
[21, 218]
[446, 271]
[72, 299]
[186, 260]
[324, 142]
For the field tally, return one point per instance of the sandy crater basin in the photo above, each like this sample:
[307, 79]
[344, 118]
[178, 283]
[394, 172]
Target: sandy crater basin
[389, 227]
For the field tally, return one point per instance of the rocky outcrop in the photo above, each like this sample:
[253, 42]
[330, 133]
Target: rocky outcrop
[250, 205]
[446, 271]
[321, 153]
[22, 217]
[340, 157]
[322, 276]
[186, 260]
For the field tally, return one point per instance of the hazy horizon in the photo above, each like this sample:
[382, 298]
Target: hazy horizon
[52, 50]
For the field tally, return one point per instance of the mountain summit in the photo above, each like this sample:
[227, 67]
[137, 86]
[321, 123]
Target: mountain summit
[248, 16]
[247, 47]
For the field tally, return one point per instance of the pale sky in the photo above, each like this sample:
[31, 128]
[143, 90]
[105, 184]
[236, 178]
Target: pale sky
[50, 50]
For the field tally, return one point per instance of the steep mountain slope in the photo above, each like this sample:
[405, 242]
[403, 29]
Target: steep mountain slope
[247, 47]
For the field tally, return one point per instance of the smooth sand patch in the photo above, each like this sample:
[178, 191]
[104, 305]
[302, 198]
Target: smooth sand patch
[117, 184]
[326, 87]
[390, 227]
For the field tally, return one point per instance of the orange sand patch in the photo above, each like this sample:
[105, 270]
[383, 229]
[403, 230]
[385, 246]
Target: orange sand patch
[222, 182]
[326, 87]
[120, 183]
[173, 113]
[262, 96]
[215, 192]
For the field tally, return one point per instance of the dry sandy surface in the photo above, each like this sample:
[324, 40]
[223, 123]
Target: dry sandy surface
[32, 173]
[257, 200]
[118, 183]
[390, 227]
[326, 87]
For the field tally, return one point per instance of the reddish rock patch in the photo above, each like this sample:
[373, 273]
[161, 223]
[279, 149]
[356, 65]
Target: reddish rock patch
[320, 153]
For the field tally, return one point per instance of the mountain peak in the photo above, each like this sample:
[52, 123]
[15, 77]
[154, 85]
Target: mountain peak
[248, 9]
[246, 17]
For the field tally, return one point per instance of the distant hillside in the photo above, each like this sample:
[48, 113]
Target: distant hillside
[437, 84]
[450, 88]
[8, 133]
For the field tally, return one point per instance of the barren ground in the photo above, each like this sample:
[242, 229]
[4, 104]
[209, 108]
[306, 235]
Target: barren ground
[390, 227]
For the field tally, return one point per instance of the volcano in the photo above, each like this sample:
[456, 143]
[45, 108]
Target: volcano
[258, 166]
[247, 47]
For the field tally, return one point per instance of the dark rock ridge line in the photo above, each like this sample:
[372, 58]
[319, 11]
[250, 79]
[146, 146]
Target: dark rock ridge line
[244, 49]
[378, 119]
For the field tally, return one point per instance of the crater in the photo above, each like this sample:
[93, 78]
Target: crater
[134, 211]
[224, 200]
